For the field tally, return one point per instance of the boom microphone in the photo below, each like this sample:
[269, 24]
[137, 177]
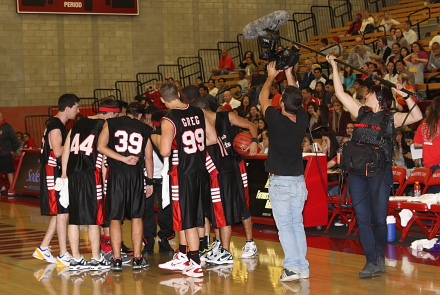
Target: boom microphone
[272, 21]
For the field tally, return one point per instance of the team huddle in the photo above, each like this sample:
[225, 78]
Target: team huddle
[106, 163]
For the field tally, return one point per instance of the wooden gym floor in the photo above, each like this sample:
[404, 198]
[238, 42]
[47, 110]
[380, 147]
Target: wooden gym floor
[334, 266]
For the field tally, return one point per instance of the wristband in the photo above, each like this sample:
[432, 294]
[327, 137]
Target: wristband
[149, 181]
[408, 96]
[254, 139]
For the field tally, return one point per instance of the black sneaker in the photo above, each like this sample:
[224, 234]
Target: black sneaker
[116, 265]
[370, 270]
[164, 247]
[139, 263]
[381, 264]
[289, 276]
[148, 250]
[125, 249]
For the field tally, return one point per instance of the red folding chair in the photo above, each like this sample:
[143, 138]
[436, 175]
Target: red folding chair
[422, 212]
[434, 180]
[422, 175]
[342, 207]
[399, 175]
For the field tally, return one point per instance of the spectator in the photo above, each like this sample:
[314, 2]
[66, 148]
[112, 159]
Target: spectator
[402, 152]
[367, 22]
[245, 106]
[265, 143]
[350, 127]
[404, 81]
[427, 137]
[356, 86]
[355, 26]
[420, 54]
[20, 142]
[401, 69]
[307, 144]
[8, 145]
[253, 114]
[320, 92]
[262, 126]
[395, 56]
[391, 73]
[222, 87]
[169, 80]
[29, 143]
[147, 114]
[362, 54]
[409, 34]
[361, 95]
[415, 66]
[307, 96]
[404, 52]
[330, 90]
[379, 74]
[388, 21]
[155, 96]
[349, 77]
[225, 65]
[323, 112]
[243, 82]
[199, 81]
[178, 85]
[435, 38]
[250, 66]
[329, 147]
[400, 38]
[257, 82]
[391, 38]
[211, 88]
[204, 93]
[383, 50]
[434, 59]
[275, 96]
[312, 109]
[244, 64]
[317, 72]
[338, 119]
[308, 75]
[376, 24]
[336, 50]
[228, 99]
[380, 64]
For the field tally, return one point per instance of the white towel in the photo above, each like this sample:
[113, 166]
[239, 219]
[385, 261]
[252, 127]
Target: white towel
[405, 216]
[62, 186]
[165, 183]
[423, 243]
[428, 199]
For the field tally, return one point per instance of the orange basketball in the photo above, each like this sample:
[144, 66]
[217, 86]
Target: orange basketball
[242, 142]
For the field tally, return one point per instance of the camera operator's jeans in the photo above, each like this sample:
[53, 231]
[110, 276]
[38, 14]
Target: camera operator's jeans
[369, 211]
[287, 197]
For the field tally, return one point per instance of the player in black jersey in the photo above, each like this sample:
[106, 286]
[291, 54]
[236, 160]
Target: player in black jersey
[82, 164]
[185, 135]
[52, 148]
[126, 143]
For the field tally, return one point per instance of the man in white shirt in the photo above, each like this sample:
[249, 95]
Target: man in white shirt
[436, 38]
[317, 72]
[409, 34]
[368, 19]
[228, 99]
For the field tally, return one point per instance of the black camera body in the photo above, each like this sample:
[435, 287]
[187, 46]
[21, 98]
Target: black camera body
[284, 59]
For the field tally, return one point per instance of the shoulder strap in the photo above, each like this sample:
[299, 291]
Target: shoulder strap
[383, 125]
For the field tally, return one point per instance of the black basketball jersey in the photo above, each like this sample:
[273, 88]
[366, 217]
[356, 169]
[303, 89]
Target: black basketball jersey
[128, 137]
[189, 144]
[226, 132]
[84, 153]
[220, 157]
[47, 156]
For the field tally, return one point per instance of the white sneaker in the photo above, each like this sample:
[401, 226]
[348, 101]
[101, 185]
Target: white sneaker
[63, 260]
[249, 250]
[215, 248]
[45, 255]
[100, 264]
[193, 270]
[179, 262]
[223, 257]
[79, 264]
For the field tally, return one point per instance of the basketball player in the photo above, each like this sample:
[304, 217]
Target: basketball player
[185, 135]
[126, 143]
[53, 140]
[82, 163]
[226, 130]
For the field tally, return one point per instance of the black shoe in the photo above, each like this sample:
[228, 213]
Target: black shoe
[381, 264]
[164, 247]
[370, 270]
[148, 250]
[125, 249]
[140, 263]
[116, 265]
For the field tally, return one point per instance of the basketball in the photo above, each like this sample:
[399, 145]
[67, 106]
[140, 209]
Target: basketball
[242, 142]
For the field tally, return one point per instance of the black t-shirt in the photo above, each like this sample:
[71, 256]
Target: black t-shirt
[47, 154]
[285, 138]
[260, 79]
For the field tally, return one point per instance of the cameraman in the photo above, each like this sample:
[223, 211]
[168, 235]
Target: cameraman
[370, 195]
[287, 187]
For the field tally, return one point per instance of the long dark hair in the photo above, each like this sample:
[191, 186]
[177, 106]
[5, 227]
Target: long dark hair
[349, 73]
[388, 98]
[315, 108]
[394, 70]
[319, 95]
[334, 144]
[432, 119]
[323, 117]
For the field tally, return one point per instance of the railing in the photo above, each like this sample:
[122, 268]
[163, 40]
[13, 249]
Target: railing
[35, 126]
[103, 93]
[234, 50]
[190, 69]
[210, 59]
[305, 26]
[147, 79]
[287, 31]
[249, 45]
[375, 5]
[324, 18]
[420, 21]
[373, 40]
[128, 90]
[342, 11]
[169, 71]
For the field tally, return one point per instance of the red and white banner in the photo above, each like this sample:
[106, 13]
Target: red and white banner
[121, 7]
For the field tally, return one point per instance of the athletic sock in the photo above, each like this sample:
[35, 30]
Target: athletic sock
[194, 256]
[108, 245]
[201, 244]
[182, 249]
[249, 241]
[206, 241]
[44, 248]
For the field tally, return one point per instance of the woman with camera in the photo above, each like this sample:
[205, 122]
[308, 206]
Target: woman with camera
[370, 182]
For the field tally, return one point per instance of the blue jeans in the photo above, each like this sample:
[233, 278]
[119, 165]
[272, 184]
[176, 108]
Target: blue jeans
[287, 196]
[369, 211]
[434, 188]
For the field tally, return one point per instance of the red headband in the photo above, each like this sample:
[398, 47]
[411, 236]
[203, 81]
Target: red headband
[109, 110]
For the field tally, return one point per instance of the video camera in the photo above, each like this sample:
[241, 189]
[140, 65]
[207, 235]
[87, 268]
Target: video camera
[285, 58]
